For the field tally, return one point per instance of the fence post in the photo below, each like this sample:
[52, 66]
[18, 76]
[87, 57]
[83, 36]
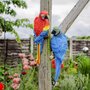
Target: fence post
[71, 48]
[31, 44]
[0, 31]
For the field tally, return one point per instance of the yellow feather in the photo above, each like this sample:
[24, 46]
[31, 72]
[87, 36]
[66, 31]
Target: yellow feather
[46, 28]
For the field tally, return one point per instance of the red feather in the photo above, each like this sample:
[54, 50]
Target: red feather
[39, 23]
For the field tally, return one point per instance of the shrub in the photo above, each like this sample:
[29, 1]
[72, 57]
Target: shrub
[1, 73]
[83, 64]
[79, 82]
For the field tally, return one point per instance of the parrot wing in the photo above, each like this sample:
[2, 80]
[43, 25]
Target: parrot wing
[39, 38]
[59, 43]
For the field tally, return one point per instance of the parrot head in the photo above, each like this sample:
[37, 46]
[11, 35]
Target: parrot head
[55, 31]
[44, 15]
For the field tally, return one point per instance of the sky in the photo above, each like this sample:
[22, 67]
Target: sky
[60, 9]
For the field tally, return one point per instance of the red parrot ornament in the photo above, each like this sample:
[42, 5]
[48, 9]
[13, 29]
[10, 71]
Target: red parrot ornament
[41, 29]
[41, 23]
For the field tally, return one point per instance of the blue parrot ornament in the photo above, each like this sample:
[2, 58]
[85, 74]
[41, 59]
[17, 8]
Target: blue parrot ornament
[59, 47]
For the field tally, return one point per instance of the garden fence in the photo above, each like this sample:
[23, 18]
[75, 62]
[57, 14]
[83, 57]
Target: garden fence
[77, 45]
[10, 50]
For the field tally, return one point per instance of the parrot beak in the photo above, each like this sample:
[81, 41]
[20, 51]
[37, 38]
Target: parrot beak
[47, 17]
[44, 16]
[55, 31]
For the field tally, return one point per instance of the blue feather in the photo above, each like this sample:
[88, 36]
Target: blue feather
[59, 47]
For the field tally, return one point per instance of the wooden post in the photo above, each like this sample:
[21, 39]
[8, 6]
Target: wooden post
[71, 48]
[45, 67]
[31, 44]
[0, 31]
[70, 18]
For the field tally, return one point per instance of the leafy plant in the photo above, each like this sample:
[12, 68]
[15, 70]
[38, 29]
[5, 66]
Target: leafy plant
[71, 78]
[77, 82]
[30, 81]
[82, 82]
[1, 73]
[8, 25]
[24, 76]
[68, 83]
[83, 64]
[84, 37]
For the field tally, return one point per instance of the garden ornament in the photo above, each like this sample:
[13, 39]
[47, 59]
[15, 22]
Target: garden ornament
[41, 27]
[59, 47]
[85, 49]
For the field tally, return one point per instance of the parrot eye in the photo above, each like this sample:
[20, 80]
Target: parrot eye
[42, 15]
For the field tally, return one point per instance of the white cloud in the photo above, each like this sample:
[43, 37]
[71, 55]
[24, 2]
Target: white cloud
[80, 29]
[81, 26]
[60, 9]
[64, 2]
[23, 33]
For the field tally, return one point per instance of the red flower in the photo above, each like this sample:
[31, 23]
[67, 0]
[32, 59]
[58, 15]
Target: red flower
[54, 65]
[23, 73]
[1, 86]
[62, 65]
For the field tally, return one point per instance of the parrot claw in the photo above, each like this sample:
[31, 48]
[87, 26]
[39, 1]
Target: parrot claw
[54, 83]
[37, 62]
[51, 57]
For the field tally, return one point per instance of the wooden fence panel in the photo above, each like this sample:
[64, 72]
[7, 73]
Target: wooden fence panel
[12, 49]
[77, 45]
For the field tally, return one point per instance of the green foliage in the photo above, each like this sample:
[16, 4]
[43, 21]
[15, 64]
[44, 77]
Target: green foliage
[30, 26]
[69, 80]
[83, 64]
[1, 73]
[68, 83]
[29, 81]
[2, 7]
[72, 82]
[9, 25]
[19, 3]
[72, 78]
[84, 37]
[82, 82]
[16, 35]
[5, 6]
